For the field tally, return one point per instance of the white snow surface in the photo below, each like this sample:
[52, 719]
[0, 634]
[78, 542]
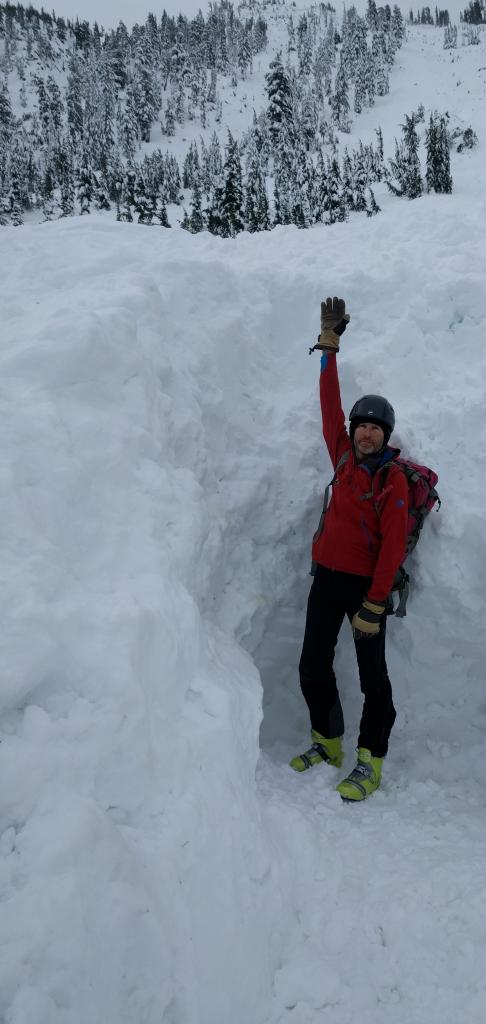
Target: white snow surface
[162, 468]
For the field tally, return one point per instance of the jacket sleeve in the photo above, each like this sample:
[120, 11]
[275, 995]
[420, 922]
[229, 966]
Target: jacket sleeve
[393, 512]
[333, 421]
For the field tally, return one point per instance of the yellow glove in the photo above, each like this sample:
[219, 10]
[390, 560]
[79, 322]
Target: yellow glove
[366, 622]
[334, 321]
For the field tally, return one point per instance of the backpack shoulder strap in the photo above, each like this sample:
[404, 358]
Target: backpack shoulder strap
[344, 458]
[380, 474]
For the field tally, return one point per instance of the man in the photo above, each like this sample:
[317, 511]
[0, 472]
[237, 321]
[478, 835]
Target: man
[357, 551]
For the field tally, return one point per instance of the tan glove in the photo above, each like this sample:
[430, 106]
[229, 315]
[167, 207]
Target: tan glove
[366, 622]
[334, 321]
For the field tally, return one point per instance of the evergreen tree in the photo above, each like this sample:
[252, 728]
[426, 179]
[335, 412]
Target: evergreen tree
[118, 54]
[244, 51]
[260, 38]
[304, 48]
[74, 97]
[15, 199]
[347, 182]
[212, 212]
[172, 179]
[256, 210]
[100, 193]
[438, 174]
[107, 100]
[282, 193]
[334, 208]
[215, 160]
[212, 94]
[405, 168]
[301, 189]
[191, 167]
[56, 110]
[280, 104]
[450, 37]
[67, 201]
[144, 205]
[340, 101]
[85, 188]
[43, 112]
[370, 78]
[129, 186]
[196, 219]
[231, 203]
[184, 223]
[380, 66]
[47, 194]
[146, 86]
[127, 127]
[127, 197]
[308, 120]
[161, 212]
[65, 174]
[360, 86]
[372, 207]
[4, 206]
[169, 124]
[320, 187]
[360, 180]
[7, 122]
[372, 16]
[378, 157]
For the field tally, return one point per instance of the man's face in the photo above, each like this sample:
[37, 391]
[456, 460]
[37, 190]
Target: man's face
[368, 439]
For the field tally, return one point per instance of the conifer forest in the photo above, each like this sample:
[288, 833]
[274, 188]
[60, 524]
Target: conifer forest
[80, 108]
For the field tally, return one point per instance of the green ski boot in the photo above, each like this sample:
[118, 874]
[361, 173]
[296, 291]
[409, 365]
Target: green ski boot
[364, 778]
[322, 749]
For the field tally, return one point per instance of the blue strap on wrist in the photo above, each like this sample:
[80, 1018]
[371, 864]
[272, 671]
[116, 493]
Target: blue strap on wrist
[323, 361]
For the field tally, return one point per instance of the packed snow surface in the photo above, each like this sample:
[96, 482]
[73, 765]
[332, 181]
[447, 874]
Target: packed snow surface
[162, 469]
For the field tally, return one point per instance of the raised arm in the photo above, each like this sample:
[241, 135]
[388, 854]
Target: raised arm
[334, 321]
[333, 420]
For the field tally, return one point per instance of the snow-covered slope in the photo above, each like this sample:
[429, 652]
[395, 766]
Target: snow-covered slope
[162, 468]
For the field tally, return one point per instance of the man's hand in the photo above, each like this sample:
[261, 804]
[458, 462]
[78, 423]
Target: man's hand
[334, 321]
[366, 623]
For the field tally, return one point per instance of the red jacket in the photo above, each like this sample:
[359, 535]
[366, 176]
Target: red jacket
[365, 536]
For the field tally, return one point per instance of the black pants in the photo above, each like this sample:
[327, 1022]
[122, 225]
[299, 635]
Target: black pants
[332, 596]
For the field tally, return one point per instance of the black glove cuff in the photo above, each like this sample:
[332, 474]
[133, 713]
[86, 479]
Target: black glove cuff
[340, 328]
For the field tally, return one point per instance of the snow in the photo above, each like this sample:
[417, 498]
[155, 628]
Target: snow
[162, 470]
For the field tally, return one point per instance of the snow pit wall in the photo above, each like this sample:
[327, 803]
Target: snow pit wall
[161, 444]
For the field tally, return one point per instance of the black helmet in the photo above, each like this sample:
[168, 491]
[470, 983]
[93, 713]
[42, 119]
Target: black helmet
[373, 409]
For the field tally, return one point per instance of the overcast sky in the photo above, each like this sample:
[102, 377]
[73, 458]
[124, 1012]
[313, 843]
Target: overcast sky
[109, 12]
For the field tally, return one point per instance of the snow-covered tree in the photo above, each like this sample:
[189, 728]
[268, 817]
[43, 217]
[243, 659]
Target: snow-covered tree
[231, 198]
[280, 104]
[450, 37]
[405, 168]
[282, 198]
[438, 174]
[340, 100]
[195, 220]
[256, 209]
[84, 189]
[372, 207]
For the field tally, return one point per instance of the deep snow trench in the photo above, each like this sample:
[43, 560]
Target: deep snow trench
[164, 467]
